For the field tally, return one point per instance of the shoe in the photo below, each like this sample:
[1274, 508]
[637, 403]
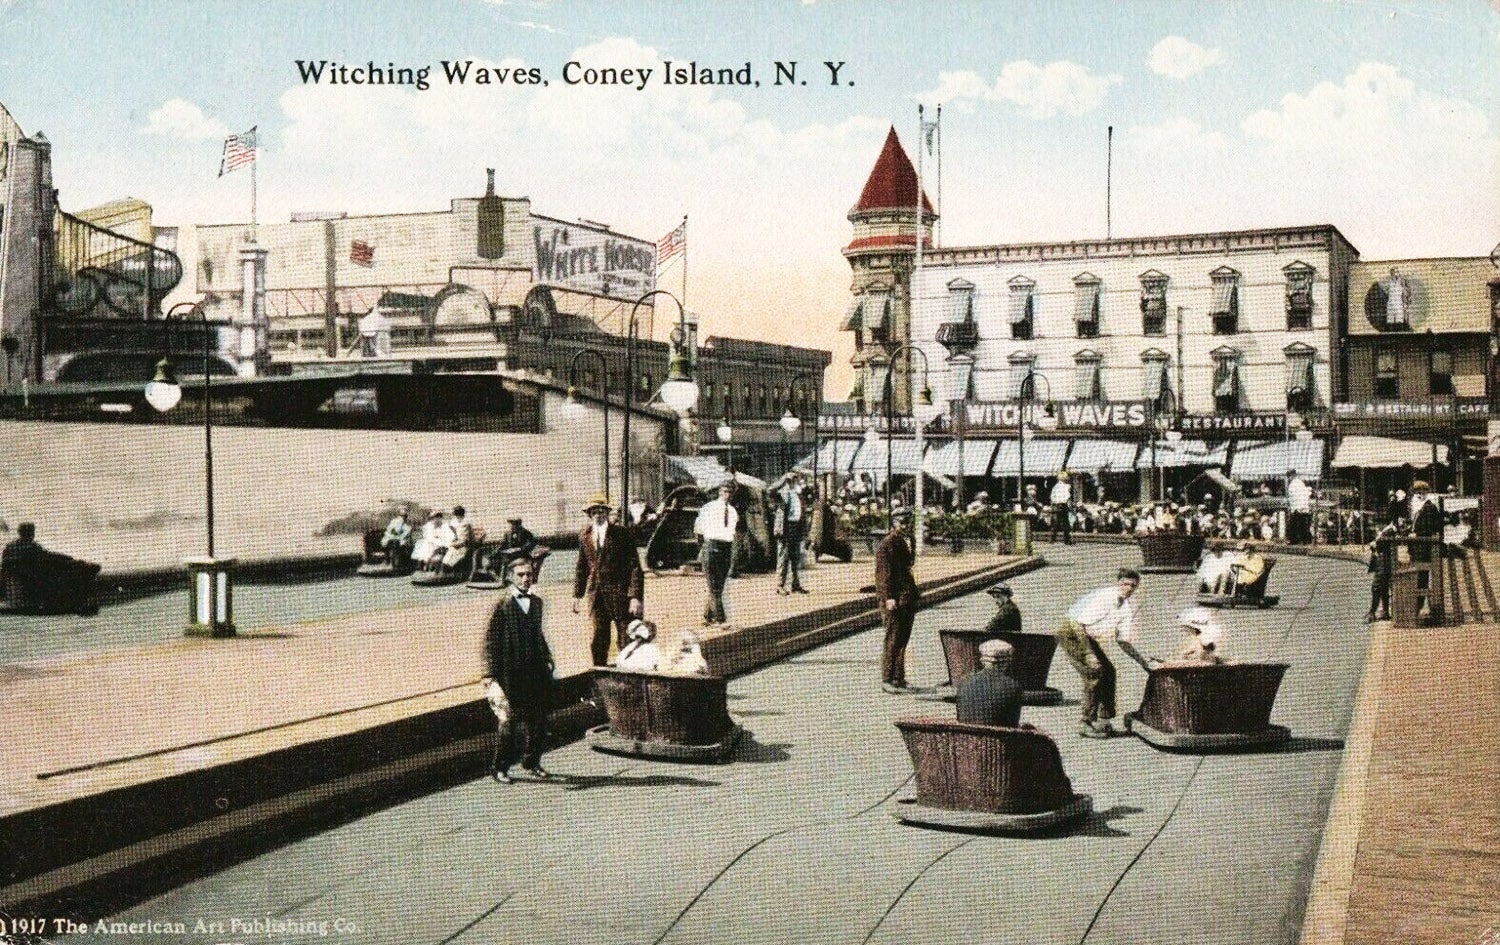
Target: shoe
[1092, 729]
[502, 777]
[539, 773]
[1370, 617]
[801, 590]
[891, 689]
[782, 592]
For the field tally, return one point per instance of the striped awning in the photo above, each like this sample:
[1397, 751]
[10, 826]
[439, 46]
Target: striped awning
[871, 459]
[1379, 452]
[1094, 456]
[978, 454]
[705, 472]
[1271, 459]
[1043, 458]
[840, 450]
[1173, 454]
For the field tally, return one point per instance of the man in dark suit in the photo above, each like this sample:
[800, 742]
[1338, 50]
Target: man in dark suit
[518, 659]
[896, 589]
[609, 575]
[1426, 523]
[1008, 618]
[991, 696]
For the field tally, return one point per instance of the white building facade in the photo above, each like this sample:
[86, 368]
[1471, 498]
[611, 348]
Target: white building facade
[1203, 326]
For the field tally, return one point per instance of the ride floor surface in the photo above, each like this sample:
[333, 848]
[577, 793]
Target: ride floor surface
[791, 840]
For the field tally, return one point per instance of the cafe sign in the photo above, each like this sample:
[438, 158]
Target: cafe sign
[1462, 408]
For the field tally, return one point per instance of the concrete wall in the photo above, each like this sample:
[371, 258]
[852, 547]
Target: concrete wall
[26, 247]
[133, 496]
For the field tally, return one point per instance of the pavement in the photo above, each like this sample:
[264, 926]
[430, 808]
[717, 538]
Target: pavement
[792, 840]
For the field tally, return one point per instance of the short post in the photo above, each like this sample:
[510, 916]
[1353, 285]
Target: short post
[210, 597]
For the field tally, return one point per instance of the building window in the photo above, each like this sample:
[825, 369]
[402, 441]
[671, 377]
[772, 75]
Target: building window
[1224, 309]
[749, 402]
[1086, 300]
[1022, 364]
[1153, 303]
[1089, 386]
[1301, 384]
[869, 317]
[1158, 385]
[1387, 376]
[1228, 388]
[875, 387]
[1440, 374]
[726, 398]
[646, 387]
[1022, 308]
[1299, 304]
[959, 333]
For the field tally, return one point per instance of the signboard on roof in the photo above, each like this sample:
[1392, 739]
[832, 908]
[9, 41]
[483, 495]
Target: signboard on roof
[591, 259]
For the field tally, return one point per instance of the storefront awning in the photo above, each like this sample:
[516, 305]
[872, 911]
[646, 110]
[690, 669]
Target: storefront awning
[1379, 452]
[1095, 456]
[1172, 454]
[705, 472]
[1043, 458]
[977, 456]
[871, 459]
[1271, 459]
[841, 450]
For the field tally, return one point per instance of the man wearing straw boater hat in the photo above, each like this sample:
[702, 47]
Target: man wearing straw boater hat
[609, 574]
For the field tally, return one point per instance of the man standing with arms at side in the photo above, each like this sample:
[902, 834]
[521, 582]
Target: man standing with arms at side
[789, 530]
[896, 589]
[1298, 509]
[1062, 508]
[518, 660]
[1094, 619]
[715, 526]
[609, 574]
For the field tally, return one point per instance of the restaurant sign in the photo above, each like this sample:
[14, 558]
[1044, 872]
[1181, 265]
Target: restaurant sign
[1463, 408]
[1233, 423]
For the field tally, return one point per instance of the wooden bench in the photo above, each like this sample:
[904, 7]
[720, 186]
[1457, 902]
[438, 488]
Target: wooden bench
[1029, 667]
[1170, 552]
[661, 715]
[55, 584]
[1210, 707]
[982, 777]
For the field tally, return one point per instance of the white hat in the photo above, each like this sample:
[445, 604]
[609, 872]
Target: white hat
[641, 630]
[1201, 620]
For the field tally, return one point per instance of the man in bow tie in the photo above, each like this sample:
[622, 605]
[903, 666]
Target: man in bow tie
[518, 660]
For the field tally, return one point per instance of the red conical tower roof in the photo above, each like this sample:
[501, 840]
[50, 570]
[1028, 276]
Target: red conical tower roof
[893, 182]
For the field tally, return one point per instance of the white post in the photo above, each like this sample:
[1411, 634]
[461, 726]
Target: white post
[919, 514]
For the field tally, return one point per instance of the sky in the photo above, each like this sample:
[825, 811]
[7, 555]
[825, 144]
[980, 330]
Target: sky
[1382, 118]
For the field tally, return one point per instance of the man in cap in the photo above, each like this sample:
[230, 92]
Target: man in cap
[1101, 615]
[990, 696]
[1426, 523]
[896, 589]
[609, 574]
[1062, 508]
[716, 525]
[1008, 618]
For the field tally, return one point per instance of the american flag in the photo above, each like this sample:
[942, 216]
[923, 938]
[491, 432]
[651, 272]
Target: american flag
[361, 253]
[673, 243]
[239, 150]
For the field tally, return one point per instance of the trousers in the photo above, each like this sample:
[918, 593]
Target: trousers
[717, 557]
[1097, 672]
[897, 635]
[791, 555]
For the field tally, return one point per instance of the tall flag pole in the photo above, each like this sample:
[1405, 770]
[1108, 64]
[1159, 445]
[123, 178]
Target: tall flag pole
[673, 244]
[1109, 162]
[684, 260]
[240, 150]
[937, 239]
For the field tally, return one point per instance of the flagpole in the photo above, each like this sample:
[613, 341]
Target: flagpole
[684, 260]
[937, 239]
[911, 404]
[253, 229]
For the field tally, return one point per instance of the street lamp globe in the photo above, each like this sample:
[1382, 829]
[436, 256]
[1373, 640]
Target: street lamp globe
[163, 393]
[679, 391]
[790, 422]
[725, 432]
[573, 407]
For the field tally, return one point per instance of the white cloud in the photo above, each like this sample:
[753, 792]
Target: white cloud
[543, 27]
[1175, 136]
[1178, 58]
[1037, 91]
[184, 121]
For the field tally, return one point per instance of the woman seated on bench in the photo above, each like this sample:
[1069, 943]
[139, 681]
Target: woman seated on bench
[1249, 571]
[1204, 641]
[1215, 570]
[431, 545]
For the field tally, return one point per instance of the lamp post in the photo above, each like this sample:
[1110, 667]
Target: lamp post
[725, 433]
[922, 412]
[1026, 395]
[1162, 424]
[210, 600]
[576, 411]
[678, 391]
[793, 423]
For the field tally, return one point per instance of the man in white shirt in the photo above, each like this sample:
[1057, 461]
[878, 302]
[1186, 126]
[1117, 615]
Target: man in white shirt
[1097, 617]
[1299, 509]
[789, 525]
[1061, 500]
[715, 526]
